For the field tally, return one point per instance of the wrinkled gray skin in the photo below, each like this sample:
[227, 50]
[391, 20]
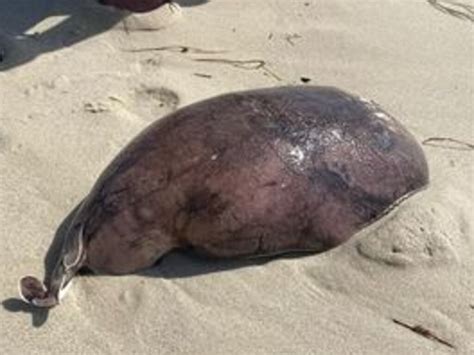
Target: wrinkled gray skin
[245, 174]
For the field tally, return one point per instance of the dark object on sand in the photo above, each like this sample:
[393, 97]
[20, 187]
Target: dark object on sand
[135, 5]
[245, 174]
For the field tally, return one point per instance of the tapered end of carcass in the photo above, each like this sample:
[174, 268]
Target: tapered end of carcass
[34, 292]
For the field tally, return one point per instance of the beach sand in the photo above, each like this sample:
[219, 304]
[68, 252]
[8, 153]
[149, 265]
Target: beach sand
[78, 81]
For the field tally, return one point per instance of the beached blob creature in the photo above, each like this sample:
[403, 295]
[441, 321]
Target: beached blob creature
[245, 174]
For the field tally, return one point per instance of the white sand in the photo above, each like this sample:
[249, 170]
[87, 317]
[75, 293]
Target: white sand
[66, 112]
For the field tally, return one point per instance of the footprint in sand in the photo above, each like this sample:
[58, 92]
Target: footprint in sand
[153, 102]
[146, 104]
[431, 228]
[131, 298]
